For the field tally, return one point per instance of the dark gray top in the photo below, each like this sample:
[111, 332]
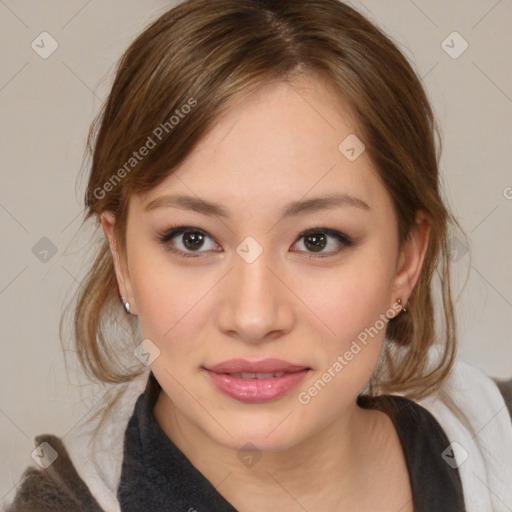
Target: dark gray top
[157, 476]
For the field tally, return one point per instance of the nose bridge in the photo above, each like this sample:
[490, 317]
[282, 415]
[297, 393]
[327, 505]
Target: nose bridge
[255, 279]
[255, 302]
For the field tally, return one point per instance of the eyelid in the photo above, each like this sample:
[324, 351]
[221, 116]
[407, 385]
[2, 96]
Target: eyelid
[179, 229]
[327, 231]
[341, 237]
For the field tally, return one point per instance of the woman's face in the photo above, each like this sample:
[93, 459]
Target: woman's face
[245, 283]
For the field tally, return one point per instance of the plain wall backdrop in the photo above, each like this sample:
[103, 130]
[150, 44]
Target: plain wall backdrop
[57, 62]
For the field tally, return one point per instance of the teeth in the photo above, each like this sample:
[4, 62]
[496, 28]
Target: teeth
[257, 375]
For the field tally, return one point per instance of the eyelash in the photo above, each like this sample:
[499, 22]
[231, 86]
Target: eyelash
[172, 232]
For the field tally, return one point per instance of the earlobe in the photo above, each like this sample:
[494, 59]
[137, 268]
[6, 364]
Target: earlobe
[412, 256]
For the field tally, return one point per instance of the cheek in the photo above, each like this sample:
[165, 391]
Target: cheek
[353, 306]
[352, 302]
[176, 302]
[170, 298]
[353, 296]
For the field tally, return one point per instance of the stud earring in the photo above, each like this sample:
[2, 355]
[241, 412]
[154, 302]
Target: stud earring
[404, 309]
[126, 305]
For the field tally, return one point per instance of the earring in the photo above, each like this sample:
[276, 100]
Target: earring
[404, 309]
[126, 305]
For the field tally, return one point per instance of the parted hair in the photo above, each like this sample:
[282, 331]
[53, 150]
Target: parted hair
[194, 62]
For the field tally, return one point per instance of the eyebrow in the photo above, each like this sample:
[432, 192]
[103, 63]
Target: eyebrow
[295, 208]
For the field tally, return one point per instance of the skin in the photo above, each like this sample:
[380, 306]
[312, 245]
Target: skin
[277, 146]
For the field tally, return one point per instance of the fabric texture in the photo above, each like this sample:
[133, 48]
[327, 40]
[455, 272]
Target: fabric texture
[156, 475]
[58, 488]
[435, 484]
[474, 416]
[469, 407]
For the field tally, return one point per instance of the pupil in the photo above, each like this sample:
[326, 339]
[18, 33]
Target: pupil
[193, 240]
[315, 242]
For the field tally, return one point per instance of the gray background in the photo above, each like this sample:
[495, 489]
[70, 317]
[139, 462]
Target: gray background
[48, 104]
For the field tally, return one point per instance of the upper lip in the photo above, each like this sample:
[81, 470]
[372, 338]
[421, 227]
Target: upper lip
[264, 366]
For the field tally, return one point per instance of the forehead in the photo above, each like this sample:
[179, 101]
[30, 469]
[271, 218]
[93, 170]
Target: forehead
[277, 145]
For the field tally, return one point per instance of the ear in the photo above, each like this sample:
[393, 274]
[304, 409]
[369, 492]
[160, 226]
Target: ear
[108, 222]
[410, 261]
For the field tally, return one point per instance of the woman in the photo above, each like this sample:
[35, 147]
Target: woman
[266, 177]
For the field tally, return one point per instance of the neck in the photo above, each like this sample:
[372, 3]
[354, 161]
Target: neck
[330, 463]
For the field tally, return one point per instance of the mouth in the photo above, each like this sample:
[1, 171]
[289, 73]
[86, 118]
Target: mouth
[256, 382]
[256, 375]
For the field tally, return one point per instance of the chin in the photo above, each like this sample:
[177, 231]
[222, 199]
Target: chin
[258, 440]
[268, 430]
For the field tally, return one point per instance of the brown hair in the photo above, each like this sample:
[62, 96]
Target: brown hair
[191, 64]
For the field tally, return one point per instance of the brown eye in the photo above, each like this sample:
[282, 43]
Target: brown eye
[187, 240]
[315, 242]
[192, 240]
[323, 241]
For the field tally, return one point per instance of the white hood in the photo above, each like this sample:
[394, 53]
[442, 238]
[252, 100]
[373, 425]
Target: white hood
[482, 437]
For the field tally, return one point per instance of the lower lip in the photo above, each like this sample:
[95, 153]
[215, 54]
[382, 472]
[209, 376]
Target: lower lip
[255, 391]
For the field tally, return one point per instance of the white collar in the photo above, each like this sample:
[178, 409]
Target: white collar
[483, 431]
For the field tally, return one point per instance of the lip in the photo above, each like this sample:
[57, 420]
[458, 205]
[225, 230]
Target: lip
[253, 390]
[263, 366]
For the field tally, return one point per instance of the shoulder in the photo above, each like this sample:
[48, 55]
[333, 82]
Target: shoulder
[434, 485]
[474, 415]
[56, 486]
[85, 474]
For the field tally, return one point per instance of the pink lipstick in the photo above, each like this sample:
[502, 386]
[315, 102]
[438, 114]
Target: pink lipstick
[256, 382]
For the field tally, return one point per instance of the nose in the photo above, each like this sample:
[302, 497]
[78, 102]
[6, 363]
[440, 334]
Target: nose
[255, 303]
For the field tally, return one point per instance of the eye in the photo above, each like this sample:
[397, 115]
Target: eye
[317, 239]
[188, 240]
